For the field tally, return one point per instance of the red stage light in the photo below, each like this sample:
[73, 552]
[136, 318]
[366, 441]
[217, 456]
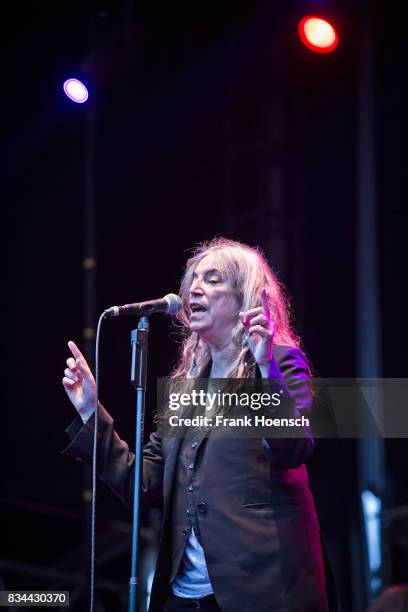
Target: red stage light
[318, 34]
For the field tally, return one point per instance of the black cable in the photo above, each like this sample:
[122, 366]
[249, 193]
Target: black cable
[93, 507]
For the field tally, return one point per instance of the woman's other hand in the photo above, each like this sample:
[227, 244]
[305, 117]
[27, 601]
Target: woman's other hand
[79, 383]
[261, 330]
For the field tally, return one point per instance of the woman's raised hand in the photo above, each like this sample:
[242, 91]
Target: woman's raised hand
[261, 330]
[79, 382]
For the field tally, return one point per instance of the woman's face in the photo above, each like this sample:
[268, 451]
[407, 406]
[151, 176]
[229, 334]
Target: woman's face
[213, 303]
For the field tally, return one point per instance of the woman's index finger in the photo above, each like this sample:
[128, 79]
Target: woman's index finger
[265, 300]
[75, 350]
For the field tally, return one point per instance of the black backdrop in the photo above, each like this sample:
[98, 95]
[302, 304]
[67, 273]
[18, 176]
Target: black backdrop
[160, 180]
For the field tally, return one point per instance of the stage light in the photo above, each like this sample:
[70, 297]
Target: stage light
[372, 522]
[76, 91]
[318, 34]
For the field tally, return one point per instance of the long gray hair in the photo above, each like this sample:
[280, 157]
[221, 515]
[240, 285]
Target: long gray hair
[248, 272]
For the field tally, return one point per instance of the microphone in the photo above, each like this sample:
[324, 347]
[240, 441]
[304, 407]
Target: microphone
[171, 304]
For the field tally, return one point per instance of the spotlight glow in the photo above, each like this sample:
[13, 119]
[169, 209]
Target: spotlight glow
[76, 91]
[318, 34]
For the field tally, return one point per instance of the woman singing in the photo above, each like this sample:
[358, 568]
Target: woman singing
[240, 531]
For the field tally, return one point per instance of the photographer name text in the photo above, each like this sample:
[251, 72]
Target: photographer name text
[246, 421]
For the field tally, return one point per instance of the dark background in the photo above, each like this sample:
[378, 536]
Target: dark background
[184, 137]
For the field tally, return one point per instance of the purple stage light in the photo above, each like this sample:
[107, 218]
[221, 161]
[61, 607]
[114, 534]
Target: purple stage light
[76, 91]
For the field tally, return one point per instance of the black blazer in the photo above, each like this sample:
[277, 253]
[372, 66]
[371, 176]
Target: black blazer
[260, 532]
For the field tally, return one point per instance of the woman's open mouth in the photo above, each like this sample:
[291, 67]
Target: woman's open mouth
[196, 310]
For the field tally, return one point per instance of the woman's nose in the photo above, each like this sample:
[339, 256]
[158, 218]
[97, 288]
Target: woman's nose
[196, 287]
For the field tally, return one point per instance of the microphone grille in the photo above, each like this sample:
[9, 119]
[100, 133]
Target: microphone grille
[174, 303]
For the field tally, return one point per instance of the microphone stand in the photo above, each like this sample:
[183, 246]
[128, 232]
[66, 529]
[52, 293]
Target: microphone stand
[139, 341]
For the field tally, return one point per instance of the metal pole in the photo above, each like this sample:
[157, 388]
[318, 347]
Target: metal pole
[138, 377]
[370, 451]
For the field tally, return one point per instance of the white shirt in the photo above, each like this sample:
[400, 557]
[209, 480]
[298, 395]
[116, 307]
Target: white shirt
[193, 580]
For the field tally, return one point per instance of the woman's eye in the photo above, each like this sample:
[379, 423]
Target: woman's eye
[213, 280]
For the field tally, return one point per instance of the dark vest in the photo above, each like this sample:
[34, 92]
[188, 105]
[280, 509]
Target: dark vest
[188, 507]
